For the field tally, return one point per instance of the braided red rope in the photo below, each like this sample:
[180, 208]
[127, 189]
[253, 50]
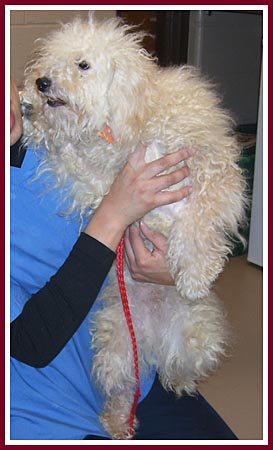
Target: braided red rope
[127, 313]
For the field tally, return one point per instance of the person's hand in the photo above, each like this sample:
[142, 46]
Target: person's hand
[16, 123]
[145, 265]
[139, 188]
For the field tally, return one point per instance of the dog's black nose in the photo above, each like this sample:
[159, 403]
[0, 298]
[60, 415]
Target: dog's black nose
[43, 84]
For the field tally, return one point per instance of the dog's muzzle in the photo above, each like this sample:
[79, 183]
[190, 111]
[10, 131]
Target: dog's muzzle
[43, 84]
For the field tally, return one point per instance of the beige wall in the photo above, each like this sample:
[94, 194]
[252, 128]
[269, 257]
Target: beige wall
[26, 26]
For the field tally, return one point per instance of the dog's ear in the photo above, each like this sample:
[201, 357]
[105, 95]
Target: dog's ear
[91, 17]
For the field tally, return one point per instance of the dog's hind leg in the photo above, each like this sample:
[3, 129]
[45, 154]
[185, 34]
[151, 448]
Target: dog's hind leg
[193, 343]
[204, 231]
[197, 253]
[116, 414]
[113, 368]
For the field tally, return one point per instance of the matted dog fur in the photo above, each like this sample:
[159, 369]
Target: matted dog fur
[94, 75]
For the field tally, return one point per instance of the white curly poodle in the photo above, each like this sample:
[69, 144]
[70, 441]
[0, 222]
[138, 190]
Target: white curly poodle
[95, 94]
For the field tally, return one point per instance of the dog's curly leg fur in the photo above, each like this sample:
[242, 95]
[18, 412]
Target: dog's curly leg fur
[113, 366]
[116, 412]
[194, 273]
[199, 241]
[191, 348]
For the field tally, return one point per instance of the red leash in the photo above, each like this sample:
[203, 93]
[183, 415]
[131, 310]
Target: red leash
[127, 313]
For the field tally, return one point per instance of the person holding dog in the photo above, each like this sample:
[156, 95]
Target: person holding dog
[56, 276]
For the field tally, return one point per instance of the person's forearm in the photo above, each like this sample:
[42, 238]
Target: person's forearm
[53, 314]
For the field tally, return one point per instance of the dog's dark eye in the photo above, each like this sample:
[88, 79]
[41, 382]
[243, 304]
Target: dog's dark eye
[84, 65]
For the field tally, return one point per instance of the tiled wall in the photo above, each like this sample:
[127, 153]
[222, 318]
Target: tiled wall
[28, 25]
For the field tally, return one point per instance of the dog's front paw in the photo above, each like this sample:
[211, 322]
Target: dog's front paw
[117, 424]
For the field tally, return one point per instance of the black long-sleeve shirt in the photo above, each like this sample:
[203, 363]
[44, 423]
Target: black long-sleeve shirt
[53, 314]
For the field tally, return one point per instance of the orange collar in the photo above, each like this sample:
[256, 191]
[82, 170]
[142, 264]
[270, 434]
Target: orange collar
[106, 134]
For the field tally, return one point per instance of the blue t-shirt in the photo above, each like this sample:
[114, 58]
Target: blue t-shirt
[61, 400]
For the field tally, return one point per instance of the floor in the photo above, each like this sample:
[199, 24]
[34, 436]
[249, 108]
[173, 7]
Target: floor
[235, 390]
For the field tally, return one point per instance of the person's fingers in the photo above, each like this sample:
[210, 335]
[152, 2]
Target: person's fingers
[160, 165]
[158, 241]
[169, 197]
[136, 242]
[137, 161]
[164, 181]
[128, 251]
